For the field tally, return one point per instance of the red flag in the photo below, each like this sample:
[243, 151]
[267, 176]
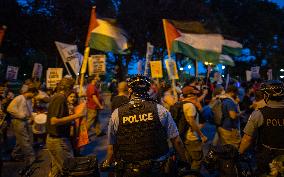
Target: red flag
[170, 34]
[92, 24]
[2, 33]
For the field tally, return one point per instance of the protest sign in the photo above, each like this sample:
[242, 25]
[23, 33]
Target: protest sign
[248, 75]
[255, 72]
[37, 70]
[53, 76]
[12, 73]
[156, 69]
[150, 50]
[172, 69]
[269, 74]
[97, 64]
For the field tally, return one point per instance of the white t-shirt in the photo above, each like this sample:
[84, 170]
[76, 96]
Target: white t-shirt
[190, 111]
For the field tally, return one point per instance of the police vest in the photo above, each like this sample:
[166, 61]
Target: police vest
[272, 129]
[140, 134]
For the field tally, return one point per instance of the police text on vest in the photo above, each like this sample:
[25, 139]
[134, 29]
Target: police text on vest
[138, 118]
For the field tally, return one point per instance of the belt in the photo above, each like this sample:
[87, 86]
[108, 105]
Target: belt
[137, 164]
[23, 119]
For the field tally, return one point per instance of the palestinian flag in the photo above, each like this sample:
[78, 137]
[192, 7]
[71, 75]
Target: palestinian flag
[105, 35]
[232, 48]
[226, 60]
[192, 40]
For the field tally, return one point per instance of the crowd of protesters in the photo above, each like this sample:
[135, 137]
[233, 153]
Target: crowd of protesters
[198, 95]
[199, 98]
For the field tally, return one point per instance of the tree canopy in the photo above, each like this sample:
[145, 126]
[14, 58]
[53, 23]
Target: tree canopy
[34, 26]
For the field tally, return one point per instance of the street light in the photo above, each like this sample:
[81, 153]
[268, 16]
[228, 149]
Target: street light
[181, 69]
[189, 67]
[223, 67]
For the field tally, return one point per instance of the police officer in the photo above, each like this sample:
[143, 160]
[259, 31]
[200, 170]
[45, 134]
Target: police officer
[269, 122]
[138, 133]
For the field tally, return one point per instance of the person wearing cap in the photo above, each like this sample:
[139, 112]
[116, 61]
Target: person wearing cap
[138, 133]
[20, 110]
[122, 97]
[58, 127]
[268, 124]
[193, 136]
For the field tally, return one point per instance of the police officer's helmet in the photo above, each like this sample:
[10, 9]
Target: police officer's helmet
[273, 89]
[139, 84]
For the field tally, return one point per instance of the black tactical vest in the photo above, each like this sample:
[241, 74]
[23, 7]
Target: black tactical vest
[272, 129]
[140, 134]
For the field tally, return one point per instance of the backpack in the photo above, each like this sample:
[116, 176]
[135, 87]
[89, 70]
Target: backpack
[178, 116]
[216, 107]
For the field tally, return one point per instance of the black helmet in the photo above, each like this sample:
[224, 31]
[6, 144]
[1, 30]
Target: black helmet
[140, 85]
[273, 89]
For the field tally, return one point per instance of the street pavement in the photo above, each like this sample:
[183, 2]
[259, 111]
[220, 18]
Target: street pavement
[97, 146]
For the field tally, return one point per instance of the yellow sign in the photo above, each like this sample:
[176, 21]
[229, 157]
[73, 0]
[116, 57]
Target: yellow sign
[53, 76]
[156, 69]
[172, 69]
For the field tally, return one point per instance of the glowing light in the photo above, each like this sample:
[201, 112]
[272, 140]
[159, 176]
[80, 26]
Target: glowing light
[281, 70]
[181, 69]
[189, 67]
[223, 67]
[78, 74]
[223, 76]
[25, 74]
[281, 77]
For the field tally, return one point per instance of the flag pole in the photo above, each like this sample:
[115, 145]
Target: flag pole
[196, 68]
[83, 70]
[87, 50]
[169, 56]
[67, 68]
[62, 56]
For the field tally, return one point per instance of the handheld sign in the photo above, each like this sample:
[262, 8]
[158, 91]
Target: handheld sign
[172, 69]
[53, 76]
[97, 64]
[156, 69]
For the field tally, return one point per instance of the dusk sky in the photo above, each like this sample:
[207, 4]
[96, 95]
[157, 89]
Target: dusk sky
[279, 2]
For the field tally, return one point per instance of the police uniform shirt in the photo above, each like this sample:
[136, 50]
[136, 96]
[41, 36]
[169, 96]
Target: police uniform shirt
[256, 118]
[164, 116]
